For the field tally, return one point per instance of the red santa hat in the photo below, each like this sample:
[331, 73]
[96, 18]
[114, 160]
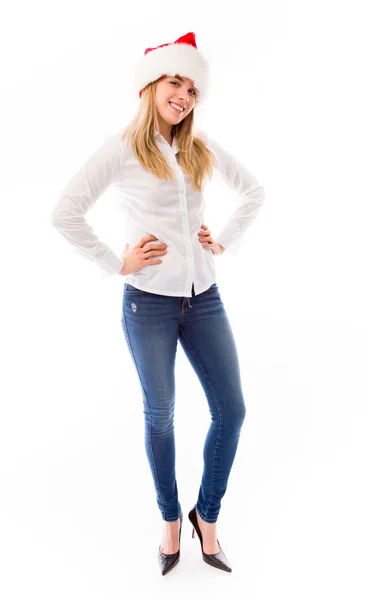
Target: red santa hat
[176, 58]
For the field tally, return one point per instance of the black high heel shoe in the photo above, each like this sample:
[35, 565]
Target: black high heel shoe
[218, 560]
[169, 561]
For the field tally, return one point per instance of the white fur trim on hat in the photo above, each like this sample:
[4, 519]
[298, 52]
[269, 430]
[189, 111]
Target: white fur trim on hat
[177, 58]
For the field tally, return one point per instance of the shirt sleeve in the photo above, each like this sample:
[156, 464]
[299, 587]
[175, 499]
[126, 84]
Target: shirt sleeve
[79, 195]
[251, 195]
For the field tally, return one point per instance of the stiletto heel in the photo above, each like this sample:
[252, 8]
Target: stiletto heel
[169, 561]
[218, 560]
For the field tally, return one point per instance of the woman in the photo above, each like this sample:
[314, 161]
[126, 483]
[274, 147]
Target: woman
[159, 165]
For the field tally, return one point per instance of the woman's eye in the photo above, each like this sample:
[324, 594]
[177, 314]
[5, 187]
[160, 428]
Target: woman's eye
[189, 90]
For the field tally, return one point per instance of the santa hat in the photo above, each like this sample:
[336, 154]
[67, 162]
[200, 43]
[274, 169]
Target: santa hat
[176, 58]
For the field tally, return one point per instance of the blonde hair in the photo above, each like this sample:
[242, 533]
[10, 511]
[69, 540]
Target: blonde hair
[194, 156]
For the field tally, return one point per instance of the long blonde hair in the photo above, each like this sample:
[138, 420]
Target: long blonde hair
[194, 156]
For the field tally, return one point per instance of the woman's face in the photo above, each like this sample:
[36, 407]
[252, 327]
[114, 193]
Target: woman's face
[176, 90]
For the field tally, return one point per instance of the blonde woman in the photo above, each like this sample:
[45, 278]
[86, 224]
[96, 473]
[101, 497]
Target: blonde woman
[159, 164]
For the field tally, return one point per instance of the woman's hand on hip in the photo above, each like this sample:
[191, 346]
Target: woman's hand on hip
[145, 252]
[207, 241]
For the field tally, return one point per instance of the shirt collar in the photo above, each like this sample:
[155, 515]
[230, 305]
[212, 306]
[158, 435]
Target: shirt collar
[174, 146]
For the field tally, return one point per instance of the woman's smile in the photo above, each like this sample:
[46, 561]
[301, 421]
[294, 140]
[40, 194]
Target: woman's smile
[178, 110]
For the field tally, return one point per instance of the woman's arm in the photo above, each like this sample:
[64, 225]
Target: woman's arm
[251, 195]
[81, 192]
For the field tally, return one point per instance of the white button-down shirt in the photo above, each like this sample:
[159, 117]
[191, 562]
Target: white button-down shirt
[172, 211]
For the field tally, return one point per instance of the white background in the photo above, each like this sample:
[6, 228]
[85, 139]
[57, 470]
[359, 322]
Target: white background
[78, 512]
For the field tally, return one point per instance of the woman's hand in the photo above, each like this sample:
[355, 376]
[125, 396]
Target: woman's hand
[207, 241]
[142, 254]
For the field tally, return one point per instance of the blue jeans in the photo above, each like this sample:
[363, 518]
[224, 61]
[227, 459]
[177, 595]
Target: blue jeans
[152, 325]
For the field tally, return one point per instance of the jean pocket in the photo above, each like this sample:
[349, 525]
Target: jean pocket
[130, 289]
[212, 288]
